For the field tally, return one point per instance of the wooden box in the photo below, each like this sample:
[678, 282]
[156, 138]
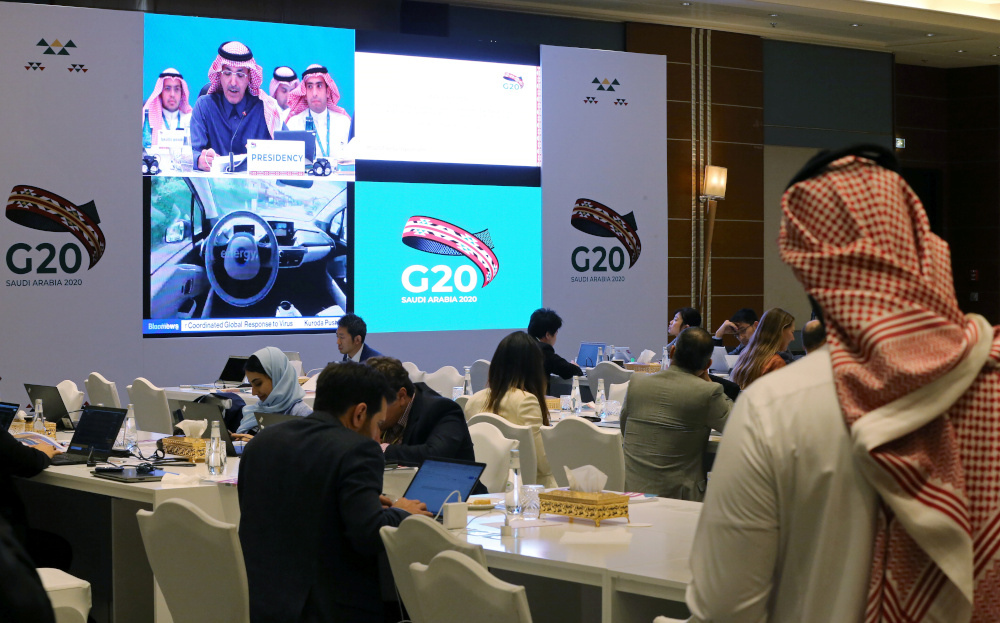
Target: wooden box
[191, 448]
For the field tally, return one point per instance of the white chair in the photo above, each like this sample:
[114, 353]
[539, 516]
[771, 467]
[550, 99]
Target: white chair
[442, 381]
[416, 374]
[525, 443]
[462, 401]
[493, 449]
[618, 391]
[197, 562]
[608, 371]
[70, 596]
[479, 372]
[419, 539]
[71, 396]
[575, 442]
[101, 391]
[454, 589]
[668, 620]
[152, 411]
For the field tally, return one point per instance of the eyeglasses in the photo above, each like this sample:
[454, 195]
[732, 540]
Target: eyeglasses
[239, 74]
[741, 330]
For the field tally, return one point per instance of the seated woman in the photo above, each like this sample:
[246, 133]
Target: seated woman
[274, 381]
[515, 391]
[773, 335]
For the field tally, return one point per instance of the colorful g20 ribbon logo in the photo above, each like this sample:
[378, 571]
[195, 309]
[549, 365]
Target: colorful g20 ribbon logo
[431, 235]
[40, 209]
[597, 219]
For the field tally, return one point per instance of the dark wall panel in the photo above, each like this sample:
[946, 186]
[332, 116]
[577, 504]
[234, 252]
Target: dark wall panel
[508, 27]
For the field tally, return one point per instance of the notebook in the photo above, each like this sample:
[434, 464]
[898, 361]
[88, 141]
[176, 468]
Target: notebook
[94, 435]
[232, 374]
[588, 354]
[201, 411]
[720, 361]
[52, 403]
[438, 478]
[8, 411]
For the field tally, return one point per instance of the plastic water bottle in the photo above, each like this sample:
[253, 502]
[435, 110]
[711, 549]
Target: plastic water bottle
[310, 124]
[600, 354]
[39, 424]
[600, 400]
[575, 396]
[131, 436]
[512, 492]
[665, 362]
[147, 131]
[611, 353]
[467, 390]
[212, 459]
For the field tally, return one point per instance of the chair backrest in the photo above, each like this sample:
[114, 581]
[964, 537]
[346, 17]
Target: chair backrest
[617, 391]
[152, 411]
[420, 539]
[575, 442]
[442, 381]
[492, 448]
[416, 374]
[526, 443]
[479, 372]
[102, 391]
[462, 401]
[71, 396]
[454, 589]
[196, 560]
[608, 371]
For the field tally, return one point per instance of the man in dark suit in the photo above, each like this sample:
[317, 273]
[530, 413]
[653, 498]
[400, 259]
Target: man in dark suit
[543, 326]
[311, 506]
[351, 334]
[420, 423]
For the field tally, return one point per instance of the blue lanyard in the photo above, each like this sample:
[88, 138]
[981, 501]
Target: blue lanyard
[323, 151]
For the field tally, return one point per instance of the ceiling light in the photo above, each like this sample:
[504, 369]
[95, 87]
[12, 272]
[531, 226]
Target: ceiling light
[960, 51]
[773, 15]
[930, 34]
[685, 4]
[855, 25]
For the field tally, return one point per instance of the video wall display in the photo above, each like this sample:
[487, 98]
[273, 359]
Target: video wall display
[252, 133]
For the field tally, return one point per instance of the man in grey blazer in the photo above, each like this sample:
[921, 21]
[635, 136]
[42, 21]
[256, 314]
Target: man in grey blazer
[666, 420]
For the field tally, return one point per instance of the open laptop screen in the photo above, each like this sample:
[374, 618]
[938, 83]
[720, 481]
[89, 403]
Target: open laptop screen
[97, 430]
[588, 354]
[8, 411]
[233, 372]
[437, 478]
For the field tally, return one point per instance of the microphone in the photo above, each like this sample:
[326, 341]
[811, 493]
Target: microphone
[243, 116]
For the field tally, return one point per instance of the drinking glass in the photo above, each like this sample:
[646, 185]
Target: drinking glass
[531, 505]
[566, 402]
[456, 392]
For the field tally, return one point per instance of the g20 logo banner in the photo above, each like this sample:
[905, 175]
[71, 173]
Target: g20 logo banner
[594, 218]
[440, 237]
[44, 210]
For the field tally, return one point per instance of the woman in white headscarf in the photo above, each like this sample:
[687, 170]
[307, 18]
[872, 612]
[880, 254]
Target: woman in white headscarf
[274, 381]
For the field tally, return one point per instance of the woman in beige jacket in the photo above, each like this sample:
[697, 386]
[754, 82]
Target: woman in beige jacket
[516, 392]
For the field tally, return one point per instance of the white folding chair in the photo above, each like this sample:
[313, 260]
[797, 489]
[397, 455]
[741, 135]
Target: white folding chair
[416, 374]
[479, 371]
[526, 443]
[70, 596]
[575, 442]
[196, 560]
[152, 411]
[608, 371]
[493, 449]
[419, 539]
[444, 380]
[101, 391]
[454, 589]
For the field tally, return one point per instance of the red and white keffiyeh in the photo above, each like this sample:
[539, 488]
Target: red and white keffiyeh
[297, 102]
[155, 106]
[282, 75]
[918, 385]
[236, 56]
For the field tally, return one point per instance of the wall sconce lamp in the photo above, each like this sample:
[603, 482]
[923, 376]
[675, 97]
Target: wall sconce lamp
[713, 190]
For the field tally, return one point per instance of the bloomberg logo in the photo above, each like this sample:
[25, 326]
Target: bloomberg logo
[432, 235]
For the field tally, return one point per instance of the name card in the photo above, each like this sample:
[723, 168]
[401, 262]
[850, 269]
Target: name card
[171, 138]
[282, 158]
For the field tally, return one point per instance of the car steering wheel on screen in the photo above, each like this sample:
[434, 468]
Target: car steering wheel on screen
[241, 270]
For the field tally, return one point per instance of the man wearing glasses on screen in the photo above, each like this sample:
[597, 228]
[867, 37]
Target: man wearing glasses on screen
[234, 110]
[312, 105]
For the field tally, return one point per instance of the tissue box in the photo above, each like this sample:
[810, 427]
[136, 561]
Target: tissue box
[552, 403]
[595, 506]
[643, 367]
[193, 449]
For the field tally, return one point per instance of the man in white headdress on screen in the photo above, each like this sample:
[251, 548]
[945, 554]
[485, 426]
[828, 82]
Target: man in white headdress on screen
[313, 106]
[283, 80]
[169, 105]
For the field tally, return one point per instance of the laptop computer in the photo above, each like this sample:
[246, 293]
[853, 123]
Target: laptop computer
[131, 474]
[8, 411]
[232, 374]
[188, 410]
[720, 360]
[438, 478]
[270, 419]
[588, 354]
[94, 435]
[52, 403]
[308, 138]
